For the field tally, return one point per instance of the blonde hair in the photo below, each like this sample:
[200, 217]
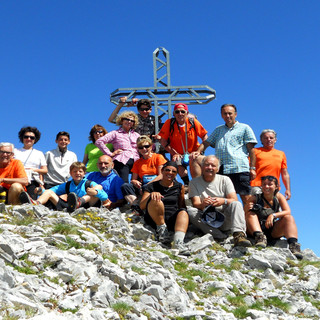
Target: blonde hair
[143, 139]
[127, 114]
[78, 165]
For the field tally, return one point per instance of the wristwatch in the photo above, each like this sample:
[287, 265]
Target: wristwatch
[274, 216]
[225, 201]
[252, 168]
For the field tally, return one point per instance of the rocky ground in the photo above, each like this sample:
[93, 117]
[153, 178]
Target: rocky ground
[96, 264]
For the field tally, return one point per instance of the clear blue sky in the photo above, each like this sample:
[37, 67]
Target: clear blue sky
[60, 60]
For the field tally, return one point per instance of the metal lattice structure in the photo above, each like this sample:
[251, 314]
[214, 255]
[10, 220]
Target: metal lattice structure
[163, 95]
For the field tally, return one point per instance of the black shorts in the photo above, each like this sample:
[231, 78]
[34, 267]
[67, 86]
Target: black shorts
[170, 221]
[241, 182]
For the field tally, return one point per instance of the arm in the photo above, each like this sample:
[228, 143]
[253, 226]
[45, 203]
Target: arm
[169, 149]
[135, 181]
[23, 181]
[42, 170]
[286, 181]
[214, 201]
[101, 144]
[252, 155]
[285, 211]
[182, 203]
[249, 204]
[122, 102]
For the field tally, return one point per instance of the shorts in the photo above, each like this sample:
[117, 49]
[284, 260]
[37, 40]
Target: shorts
[170, 221]
[241, 182]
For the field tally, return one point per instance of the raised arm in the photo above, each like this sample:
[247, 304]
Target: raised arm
[122, 102]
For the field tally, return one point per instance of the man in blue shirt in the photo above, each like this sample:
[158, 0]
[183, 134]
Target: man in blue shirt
[110, 182]
[234, 142]
[80, 191]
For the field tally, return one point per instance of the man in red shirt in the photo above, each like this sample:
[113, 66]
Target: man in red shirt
[13, 177]
[179, 136]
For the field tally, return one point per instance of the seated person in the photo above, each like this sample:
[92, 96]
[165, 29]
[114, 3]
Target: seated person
[215, 190]
[13, 177]
[146, 125]
[92, 152]
[166, 209]
[269, 217]
[179, 136]
[110, 182]
[33, 160]
[79, 191]
[270, 162]
[144, 170]
[124, 142]
[59, 161]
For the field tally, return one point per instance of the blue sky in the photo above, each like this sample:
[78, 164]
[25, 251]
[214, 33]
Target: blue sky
[60, 60]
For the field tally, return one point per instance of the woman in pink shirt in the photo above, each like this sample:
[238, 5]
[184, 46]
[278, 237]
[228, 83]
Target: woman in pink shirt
[124, 142]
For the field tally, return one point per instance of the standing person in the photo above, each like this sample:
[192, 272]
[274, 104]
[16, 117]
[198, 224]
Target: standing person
[179, 137]
[271, 162]
[166, 209]
[13, 177]
[146, 125]
[124, 142]
[110, 182]
[269, 217]
[33, 160]
[233, 142]
[146, 169]
[215, 192]
[92, 152]
[59, 161]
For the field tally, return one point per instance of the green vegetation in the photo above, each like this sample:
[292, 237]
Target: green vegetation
[276, 302]
[121, 308]
[138, 270]
[66, 229]
[241, 312]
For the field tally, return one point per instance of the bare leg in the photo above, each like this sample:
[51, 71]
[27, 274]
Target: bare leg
[253, 223]
[14, 192]
[131, 198]
[195, 166]
[49, 195]
[156, 212]
[286, 226]
[245, 198]
[182, 222]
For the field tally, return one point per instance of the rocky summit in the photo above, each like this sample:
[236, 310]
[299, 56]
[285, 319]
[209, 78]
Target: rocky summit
[96, 264]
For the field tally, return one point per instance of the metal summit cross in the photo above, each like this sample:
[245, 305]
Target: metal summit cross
[163, 94]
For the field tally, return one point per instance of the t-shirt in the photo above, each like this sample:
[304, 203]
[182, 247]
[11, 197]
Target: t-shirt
[171, 196]
[111, 184]
[14, 169]
[178, 136]
[268, 163]
[94, 153]
[148, 166]
[30, 158]
[221, 186]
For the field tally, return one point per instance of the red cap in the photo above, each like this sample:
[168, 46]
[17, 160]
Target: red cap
[180, 105]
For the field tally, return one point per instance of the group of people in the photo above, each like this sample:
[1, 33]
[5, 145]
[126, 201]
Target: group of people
[102, 178]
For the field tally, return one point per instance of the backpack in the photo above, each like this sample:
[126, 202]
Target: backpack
[86, 185]
[173, 120]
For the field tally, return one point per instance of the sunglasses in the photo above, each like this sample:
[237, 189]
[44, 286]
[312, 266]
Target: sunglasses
[29, 137]
[144, 147]
[6, 152]
[169, 170]
[270, 178]
[129, 120]
[144, 109]
[99, 131]
[180, 111]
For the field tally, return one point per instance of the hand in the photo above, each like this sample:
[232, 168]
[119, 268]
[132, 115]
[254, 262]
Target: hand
[156, 136]
[156, 196]
[106, 203]
[176, 157]
[136, 183]
[114, 153]
[287, 194]
[269, 221]
[253, 174]
[92, 191]
[194, 155]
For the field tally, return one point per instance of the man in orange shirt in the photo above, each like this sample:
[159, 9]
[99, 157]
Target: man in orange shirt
[270, 162]
[175, 140]
[13, 177]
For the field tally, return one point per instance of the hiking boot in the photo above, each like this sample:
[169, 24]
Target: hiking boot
[137, 209]
[73, 202]
[295, 249]
[260, 240]
[181, 247]
[25, 198]
[163, 236]
[240, 240]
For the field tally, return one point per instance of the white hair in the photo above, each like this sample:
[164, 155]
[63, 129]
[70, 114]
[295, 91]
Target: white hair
[210, 156]
[7, 144]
